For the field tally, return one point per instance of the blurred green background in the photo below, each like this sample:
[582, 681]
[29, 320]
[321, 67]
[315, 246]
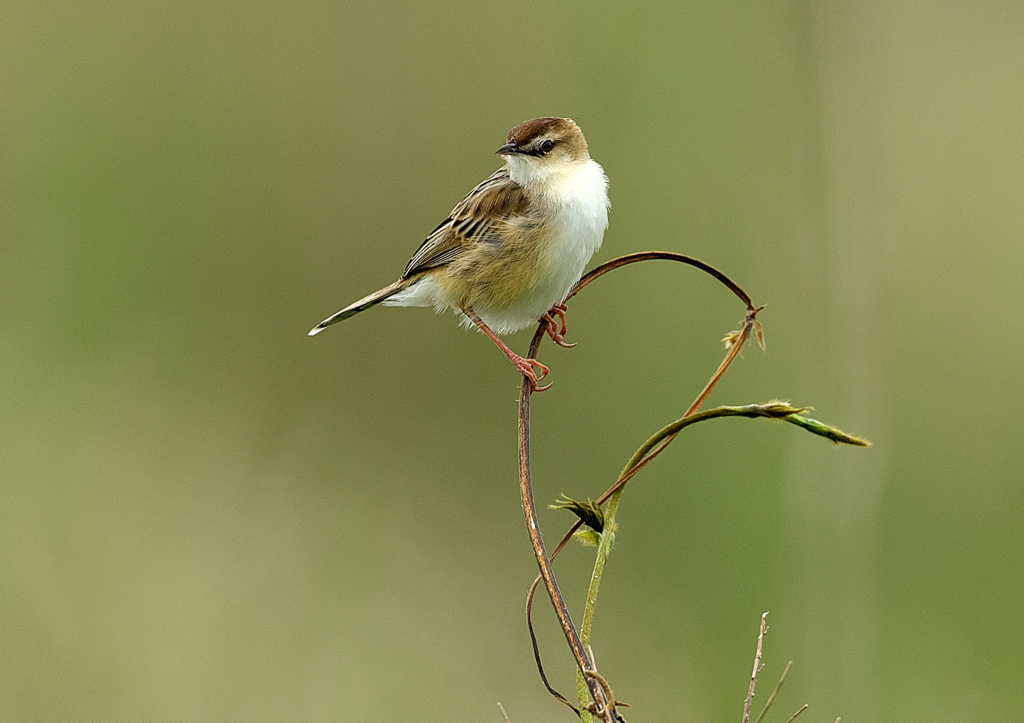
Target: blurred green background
[207, 515]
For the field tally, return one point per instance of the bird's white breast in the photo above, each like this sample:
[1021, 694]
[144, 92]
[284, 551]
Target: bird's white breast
[575, 204]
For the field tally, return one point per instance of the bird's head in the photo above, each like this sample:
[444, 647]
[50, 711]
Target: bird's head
[544, 149]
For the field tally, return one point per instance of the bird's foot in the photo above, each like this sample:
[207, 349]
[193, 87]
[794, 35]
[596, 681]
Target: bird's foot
[526, 368]
[552, 327]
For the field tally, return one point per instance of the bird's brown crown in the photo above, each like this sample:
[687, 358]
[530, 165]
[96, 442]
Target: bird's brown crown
[529, 138]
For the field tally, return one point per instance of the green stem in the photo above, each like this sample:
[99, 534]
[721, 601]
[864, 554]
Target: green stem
[649, 449]
[771, 410]
[604, 547]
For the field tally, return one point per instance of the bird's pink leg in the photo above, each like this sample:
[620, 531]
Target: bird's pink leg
[525, 366]
[551, 326]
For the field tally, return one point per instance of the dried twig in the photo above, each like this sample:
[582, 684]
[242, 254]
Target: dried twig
[757, 668]
[504, 714]
[771, 698]
[802, 709]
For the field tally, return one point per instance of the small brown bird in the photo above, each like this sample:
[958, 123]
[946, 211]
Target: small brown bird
[508, 254]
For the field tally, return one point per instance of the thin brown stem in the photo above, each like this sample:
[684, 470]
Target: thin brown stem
[536, 646]
[658, 256]
[603, 706]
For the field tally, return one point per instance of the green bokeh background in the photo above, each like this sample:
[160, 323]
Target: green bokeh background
[206, 515]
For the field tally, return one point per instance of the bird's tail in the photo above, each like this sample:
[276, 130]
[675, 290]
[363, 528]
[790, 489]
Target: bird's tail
[365, 303]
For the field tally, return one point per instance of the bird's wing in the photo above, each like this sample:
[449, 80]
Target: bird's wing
[472, 221]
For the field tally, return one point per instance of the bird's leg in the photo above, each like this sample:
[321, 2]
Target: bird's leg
[525, 366]
[551, 326]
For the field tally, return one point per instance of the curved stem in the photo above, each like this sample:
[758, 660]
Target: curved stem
[659, 256]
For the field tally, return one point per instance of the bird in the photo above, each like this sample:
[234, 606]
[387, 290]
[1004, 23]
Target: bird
[509, 253]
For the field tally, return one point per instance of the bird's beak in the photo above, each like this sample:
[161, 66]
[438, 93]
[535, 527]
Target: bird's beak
[508, 149]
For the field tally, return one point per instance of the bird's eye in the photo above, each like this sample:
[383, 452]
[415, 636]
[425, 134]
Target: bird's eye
[546, 146]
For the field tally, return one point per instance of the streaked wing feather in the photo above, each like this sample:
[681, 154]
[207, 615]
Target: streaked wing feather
[472, 221]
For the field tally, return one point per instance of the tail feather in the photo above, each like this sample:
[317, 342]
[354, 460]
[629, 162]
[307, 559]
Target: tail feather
[365, 303]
